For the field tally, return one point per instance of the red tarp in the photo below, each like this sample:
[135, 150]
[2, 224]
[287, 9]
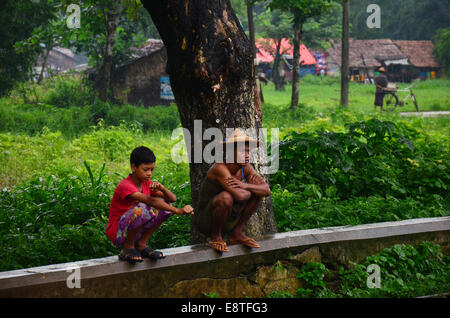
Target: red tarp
[267, 49]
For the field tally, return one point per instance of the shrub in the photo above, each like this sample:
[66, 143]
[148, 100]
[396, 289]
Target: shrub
[405, 271]
[54, 220]
[373, 158]
[67, 91]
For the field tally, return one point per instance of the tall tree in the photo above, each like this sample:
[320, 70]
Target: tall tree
[210, 63]
[442, 48]
[251, 24]
[276, 25]
[301, 10]
[113, 15]
[105, 35]
[19, 19]
[345, 53]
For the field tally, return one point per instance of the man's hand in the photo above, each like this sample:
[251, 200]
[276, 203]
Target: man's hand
[235, 183]
[255, 179]
[187, 209]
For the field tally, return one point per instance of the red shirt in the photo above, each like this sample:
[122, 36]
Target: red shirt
[121, 204]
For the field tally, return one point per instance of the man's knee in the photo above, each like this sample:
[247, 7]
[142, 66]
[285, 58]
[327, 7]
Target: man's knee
[224, 199]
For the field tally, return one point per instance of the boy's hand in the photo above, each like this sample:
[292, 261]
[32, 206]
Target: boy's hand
[187, 209]
[155, 186]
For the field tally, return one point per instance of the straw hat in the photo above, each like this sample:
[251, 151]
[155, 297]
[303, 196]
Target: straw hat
[238, 136]
[381, 69]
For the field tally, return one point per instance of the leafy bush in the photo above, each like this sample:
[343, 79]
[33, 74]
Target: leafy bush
[405, 271]
[313, 278]
[155, 118]
[30, 119]
[67, 91]
[297, 211]
[373, 158]
[54, 220]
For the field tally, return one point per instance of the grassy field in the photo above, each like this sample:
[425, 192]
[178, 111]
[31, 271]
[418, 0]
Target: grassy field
[49, 146]
[322, 93]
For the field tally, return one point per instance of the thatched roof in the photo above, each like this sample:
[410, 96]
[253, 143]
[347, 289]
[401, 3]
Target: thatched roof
[150, 46]
[419, 53]
[372, 53]
[367, 53]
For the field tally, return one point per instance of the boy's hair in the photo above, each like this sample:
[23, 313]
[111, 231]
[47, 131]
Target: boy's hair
[142, 155]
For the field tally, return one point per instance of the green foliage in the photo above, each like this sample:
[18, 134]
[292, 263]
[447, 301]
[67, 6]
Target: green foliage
[302, 9]
[54, 220]
[373, 158]
[19, 18]
[211, 295]
[442, 48]
[405, 271]
[66, 91]
[400, 20]
[91, 37]
[44, 136]
[373, 172]
[313, 283]
[69, 104]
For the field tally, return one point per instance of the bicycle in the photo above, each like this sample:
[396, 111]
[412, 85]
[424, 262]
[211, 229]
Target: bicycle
[393, 100]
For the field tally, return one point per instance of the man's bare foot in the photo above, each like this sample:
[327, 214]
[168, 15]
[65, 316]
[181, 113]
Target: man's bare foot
[242, 239]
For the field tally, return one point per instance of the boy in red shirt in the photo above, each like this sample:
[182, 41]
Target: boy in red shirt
[138, 208]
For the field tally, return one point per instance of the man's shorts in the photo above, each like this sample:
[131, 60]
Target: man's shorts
[205, 217]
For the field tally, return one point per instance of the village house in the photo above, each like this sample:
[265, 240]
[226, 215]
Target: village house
[144, 80]
[58, 60]
[404, 60]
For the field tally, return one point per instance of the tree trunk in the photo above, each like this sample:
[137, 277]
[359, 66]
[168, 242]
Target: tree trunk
[298, 30]
[277, 80]
[44, 65]
[113, 16]
[212, 75]
[345, 53]
[251, 25]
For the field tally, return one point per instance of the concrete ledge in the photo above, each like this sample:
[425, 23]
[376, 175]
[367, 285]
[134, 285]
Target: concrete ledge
[425, 114]
[109, 277]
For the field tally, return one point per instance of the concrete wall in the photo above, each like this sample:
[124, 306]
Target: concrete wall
[193, 271]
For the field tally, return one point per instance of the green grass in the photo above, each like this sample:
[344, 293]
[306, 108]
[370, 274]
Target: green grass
[323, 93]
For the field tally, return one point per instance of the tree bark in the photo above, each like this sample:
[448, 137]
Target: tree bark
[113, 16]
[298, 30]
[212, 75]
[345, 53]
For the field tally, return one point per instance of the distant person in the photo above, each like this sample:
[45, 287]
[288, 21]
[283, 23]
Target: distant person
[269, 73]
[381, 83]
[229, 195]
[138, 207]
